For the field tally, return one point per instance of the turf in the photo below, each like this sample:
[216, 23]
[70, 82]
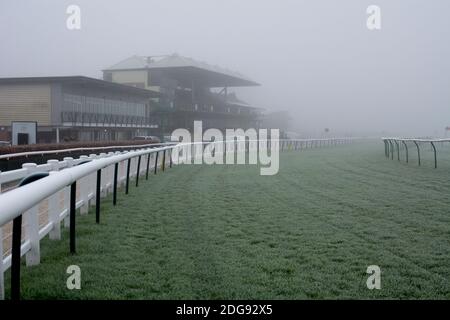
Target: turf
[225, 232]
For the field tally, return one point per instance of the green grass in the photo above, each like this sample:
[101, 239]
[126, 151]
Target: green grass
[225, 232]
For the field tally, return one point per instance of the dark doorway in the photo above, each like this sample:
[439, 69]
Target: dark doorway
[22, 138]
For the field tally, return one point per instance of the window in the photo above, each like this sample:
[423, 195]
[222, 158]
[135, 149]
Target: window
[93, 109]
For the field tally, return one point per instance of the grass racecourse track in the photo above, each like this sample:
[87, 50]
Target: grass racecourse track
[225, 232]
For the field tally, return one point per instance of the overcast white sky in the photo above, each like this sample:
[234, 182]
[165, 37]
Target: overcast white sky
[314, 58]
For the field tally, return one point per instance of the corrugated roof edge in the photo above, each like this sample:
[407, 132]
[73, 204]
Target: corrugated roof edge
[80, 79]
[181, 62]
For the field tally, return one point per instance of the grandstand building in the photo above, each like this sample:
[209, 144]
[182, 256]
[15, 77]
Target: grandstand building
[189, 91]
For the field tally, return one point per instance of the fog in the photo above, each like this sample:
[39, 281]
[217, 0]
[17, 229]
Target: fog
[315, 59]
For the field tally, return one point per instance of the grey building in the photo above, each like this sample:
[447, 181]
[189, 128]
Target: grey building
[75, 108]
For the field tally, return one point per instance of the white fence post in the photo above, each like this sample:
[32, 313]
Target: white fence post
[109, 175]
[123, 171]
[84, 190]
[33, 256]
[92, 181]
[104, 179]
[53, 207]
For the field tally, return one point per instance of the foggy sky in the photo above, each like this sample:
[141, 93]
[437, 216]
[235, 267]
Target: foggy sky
[314, 58]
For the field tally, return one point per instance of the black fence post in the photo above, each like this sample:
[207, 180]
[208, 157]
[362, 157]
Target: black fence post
[17, 241]
[15, 259]
[138, 170]
[116, 171]
[170, 155]
[385, 148]
[72, 212]
[398, 150]
[164, 160]
[97, 195]
[156, 162]
[127, 184]
[418, 151]
[435, 156]
[392, 149]
[148, 166]
[406, 151]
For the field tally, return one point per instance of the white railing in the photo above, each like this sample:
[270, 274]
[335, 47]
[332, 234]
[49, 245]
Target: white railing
[50, 197]
[393, 143]
[418, 139]
[55, 165]
[79, 149]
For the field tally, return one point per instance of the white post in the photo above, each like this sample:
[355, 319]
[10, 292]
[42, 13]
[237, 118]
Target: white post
[69, 161]
[92, 181]
[2, 278]
[53, 207]
[132, 168]
[119, 174]
[104, 176]
[143, 165]
[84, 190]
[110, 174]
[123, 170]
[33, 256]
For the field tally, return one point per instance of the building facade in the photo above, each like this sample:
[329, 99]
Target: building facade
[75, 108]
[189, 91]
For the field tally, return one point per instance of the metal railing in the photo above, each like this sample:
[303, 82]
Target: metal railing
[392, 144]
[62, 187]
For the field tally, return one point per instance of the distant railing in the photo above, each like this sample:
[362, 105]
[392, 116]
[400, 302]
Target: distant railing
[12, 161]
[55, 191]
[390, 142]
[40, 152]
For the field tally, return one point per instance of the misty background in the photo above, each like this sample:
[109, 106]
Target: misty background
[315, 59]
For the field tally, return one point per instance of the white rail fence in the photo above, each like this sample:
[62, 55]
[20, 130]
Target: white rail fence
[46, 203]
[80, 149]
[402, 144]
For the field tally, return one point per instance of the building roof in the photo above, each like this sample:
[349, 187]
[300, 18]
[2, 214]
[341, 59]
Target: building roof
[184, 68]
[82, 80]
[232, 99]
